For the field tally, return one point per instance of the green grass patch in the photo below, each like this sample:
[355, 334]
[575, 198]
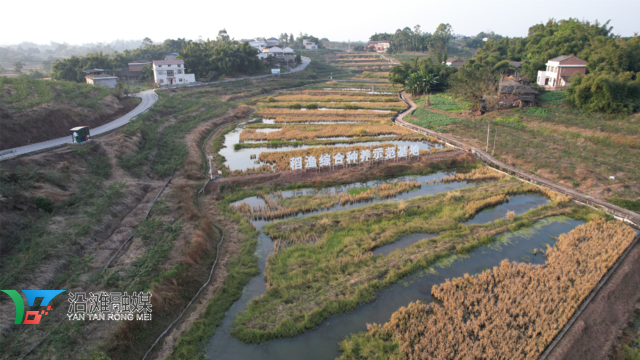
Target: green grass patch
[553, 97]
[431, 120]
[633, 205]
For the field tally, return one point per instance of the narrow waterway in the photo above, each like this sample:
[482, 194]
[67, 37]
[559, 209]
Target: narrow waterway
[241, 159]
[322, 343]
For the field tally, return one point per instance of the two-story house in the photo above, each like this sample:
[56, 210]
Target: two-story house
[309, 45]
[171, 72]
[558, 71]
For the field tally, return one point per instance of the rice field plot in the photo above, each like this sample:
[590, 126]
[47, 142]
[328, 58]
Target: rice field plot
[327, 266]
[281, 160]
[271, 113]
[511, 311]
[312, 132]
[334, 98]
[353, 85]
[392, 106]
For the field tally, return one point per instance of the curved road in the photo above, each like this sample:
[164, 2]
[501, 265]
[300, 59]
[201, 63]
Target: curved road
[148, 99]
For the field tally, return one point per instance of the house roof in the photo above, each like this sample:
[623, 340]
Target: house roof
[101, 76]
[94, 71]
[450, 60]
[514, 87]
[272, 38]
[515, 63]
[168, 62]
[274, 49]
[288, 50]
[139, 62]
[563, 58]
[126, 72]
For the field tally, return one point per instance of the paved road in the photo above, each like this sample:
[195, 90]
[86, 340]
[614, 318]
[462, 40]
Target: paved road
[148, 99]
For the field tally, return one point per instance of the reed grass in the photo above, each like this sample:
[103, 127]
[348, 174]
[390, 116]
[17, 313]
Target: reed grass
[511, 311]
[323, 264]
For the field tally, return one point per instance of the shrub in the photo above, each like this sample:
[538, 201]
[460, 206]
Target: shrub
[612, 94]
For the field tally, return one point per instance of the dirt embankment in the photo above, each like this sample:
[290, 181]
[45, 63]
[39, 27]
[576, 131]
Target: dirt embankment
[53, 120]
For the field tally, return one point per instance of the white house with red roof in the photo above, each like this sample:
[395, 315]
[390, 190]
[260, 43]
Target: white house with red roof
[171, 72]
[559, 70]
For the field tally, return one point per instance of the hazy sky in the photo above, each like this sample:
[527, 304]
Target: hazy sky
[86, 21]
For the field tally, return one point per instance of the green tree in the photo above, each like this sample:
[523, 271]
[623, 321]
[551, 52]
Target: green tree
[18, 66]
[146, 42]
[606, 92]
[440, 41]
[146, 74]
[473, 81]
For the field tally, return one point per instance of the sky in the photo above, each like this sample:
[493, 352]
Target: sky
[92, 21]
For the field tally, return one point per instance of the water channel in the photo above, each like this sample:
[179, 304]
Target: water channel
[241, 159]
[323, 342]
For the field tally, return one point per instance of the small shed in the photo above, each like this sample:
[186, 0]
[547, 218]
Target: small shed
[513, 93]
[80, 134]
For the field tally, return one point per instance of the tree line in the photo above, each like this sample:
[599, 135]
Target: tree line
[613, 62]
[207, 59]
[415, 39]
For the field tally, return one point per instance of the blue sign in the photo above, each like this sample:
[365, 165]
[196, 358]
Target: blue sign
[275, 71]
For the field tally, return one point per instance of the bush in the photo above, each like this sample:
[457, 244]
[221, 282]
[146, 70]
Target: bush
[609, 93]
[45, 204]
[295, 106]
[313, 106]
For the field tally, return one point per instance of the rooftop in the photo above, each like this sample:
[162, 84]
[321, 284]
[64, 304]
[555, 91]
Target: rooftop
[562, 58]
[450, 60]
[514, 87]
[168, 62]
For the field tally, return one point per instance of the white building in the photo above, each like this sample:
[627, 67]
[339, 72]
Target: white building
[102, 79]
[272, 42]
[309, 45]
[258, 43]
[285, 55]
[171, 72]
[559, 70]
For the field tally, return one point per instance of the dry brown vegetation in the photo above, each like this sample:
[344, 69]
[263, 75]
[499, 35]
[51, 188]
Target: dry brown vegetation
[336, 98]
[396, 105]
[483, 173]
[286, 115]
[281, 159]
[510, 312]
[311, 132]
[276, 208]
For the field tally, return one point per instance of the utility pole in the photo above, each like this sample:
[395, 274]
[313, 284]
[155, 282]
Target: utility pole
[488, 128]
[494, 143]
[210, 168]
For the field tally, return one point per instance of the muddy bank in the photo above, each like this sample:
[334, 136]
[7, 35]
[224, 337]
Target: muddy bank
[54, 120]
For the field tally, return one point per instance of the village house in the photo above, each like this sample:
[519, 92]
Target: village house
[456, 63]
[258, 43]
[512, 93]
[171, 56]
[282, 55]
[171, 72]
[379, 46]
[309, 45]
[133, 72]
[101, 77]
[559, 70]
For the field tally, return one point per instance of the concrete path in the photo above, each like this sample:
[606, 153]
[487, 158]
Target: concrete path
[148, 99]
